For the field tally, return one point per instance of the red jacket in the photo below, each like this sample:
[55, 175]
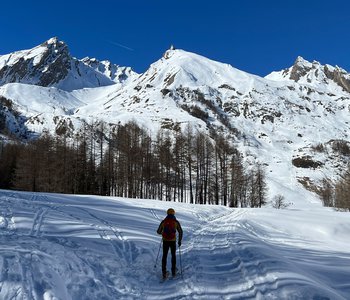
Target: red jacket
[177, 227]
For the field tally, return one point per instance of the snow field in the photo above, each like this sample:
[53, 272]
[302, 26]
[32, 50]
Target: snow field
[87, 247]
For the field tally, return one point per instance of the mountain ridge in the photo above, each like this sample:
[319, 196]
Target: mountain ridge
[275, 120]
[308, 72]
[51, 65]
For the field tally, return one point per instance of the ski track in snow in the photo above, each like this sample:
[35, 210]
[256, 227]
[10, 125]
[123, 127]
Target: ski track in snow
[85, 247]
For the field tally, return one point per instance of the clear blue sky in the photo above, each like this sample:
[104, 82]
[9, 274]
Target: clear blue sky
[252, 35]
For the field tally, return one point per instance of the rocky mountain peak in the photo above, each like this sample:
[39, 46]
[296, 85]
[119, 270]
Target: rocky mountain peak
[339, 76]
[51, 64]
[55, 45]
[42, 65]
[299, 69]
[314, 73]
[315, 70]
[53, 40]
[301, 62]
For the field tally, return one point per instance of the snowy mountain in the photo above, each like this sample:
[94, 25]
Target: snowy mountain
[51, 65]
[314, 74]
[278, 120]
[87, 247]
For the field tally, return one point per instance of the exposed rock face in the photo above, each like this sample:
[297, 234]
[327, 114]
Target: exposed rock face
[55, 64]
[299, 69]
[306, 72]
[43, 65]
[339, 76]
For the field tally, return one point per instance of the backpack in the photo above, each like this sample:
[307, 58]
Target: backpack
[169, 231]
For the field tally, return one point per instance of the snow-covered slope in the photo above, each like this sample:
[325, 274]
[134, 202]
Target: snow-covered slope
[270, 121]
[85, 247]
[43, 107]
[274, 120]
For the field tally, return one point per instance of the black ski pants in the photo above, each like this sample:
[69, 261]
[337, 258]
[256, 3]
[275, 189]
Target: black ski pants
[166, 246]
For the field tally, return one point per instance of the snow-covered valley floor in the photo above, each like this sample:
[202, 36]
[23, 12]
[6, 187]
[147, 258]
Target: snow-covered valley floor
[86, 247]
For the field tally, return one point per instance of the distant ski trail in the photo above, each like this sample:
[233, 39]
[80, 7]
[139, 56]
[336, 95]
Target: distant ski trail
[154, 214]
[38, 221]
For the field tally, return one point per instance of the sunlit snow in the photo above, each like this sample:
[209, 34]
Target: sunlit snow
[87, 247]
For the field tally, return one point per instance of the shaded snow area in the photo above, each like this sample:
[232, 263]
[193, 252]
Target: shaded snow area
[86, 247]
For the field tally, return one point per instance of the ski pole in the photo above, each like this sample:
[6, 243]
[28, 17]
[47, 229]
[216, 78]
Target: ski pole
[180, 261]
[160, 244]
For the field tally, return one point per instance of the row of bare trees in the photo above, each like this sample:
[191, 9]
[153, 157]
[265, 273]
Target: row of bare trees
[337, 195]
[126, 161]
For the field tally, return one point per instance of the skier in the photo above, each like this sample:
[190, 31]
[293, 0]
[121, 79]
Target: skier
[167, 229]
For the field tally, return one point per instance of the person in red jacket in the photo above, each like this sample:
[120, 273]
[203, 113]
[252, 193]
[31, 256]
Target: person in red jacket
[167, 229]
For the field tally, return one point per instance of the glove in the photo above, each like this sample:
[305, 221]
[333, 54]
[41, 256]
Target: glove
[179, 243]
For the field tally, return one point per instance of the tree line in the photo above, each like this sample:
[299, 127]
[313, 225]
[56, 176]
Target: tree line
[337, 194]
[126, 161]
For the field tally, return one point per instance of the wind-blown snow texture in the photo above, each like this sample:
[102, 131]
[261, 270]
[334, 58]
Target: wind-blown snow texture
[85, 247]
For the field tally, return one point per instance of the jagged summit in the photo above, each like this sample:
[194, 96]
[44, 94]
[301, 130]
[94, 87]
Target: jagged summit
[53, 40]
[116, 73]
[51, 64]
[314, 74]
[45, 65]
[301, 61]
[300, 68]
[56, 45]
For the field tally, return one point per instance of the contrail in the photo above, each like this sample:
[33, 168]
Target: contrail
[120, 45]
